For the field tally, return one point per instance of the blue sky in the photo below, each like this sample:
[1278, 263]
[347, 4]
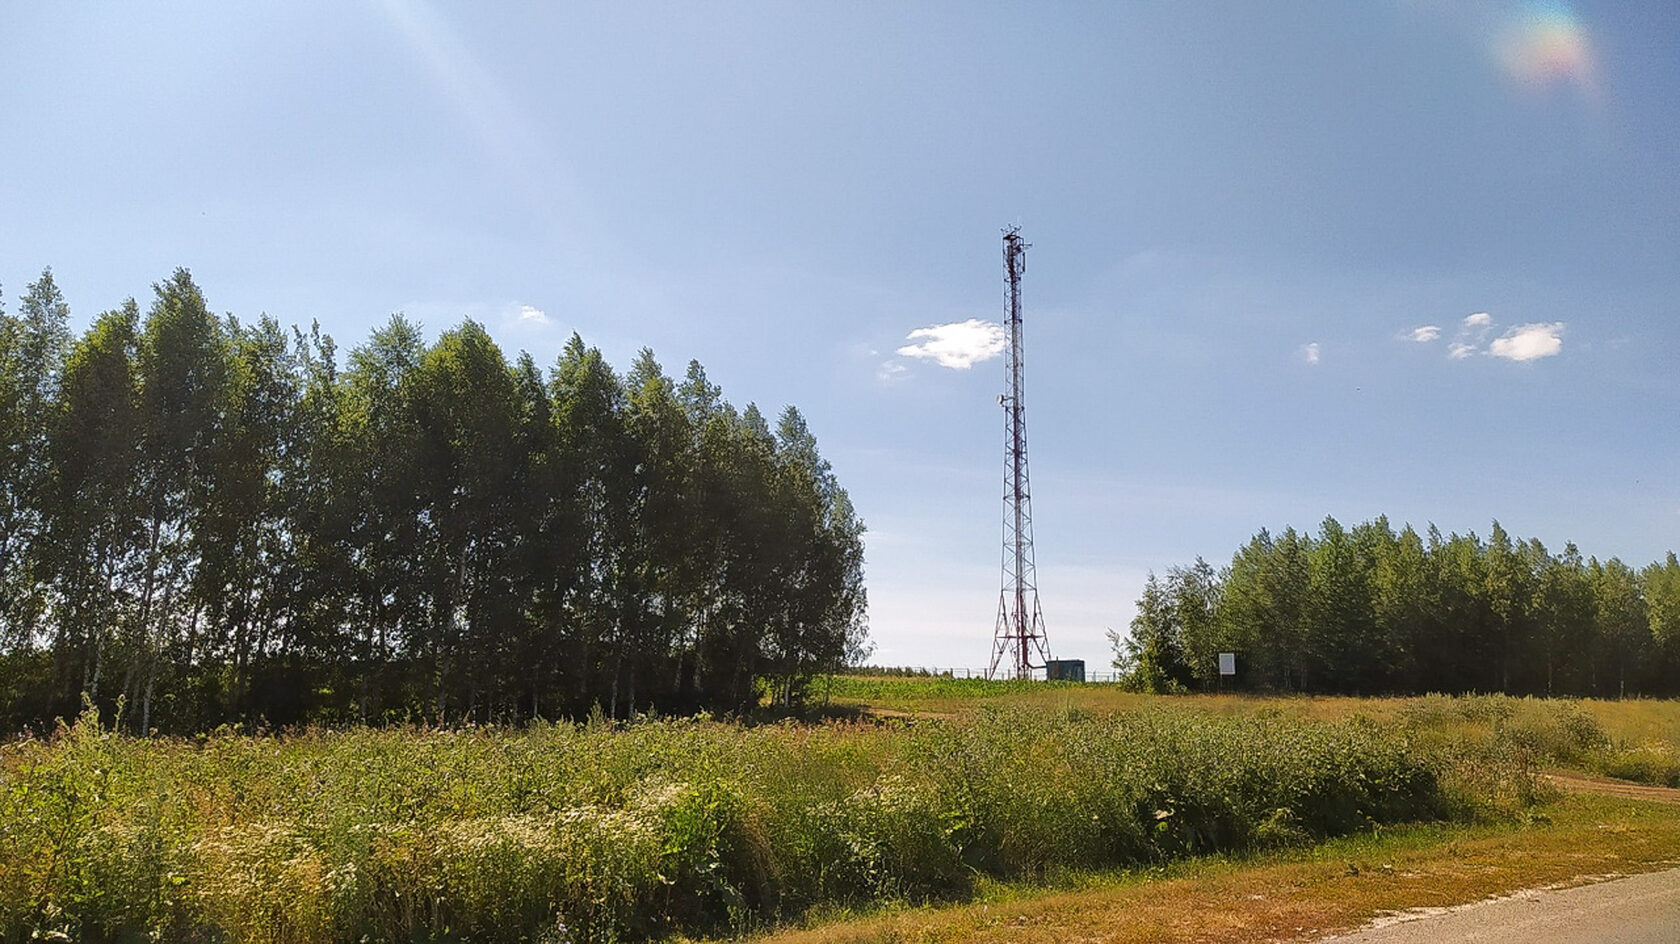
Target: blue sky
[1261, 233]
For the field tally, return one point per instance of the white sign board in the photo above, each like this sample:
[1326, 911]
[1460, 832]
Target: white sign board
[1227, 663]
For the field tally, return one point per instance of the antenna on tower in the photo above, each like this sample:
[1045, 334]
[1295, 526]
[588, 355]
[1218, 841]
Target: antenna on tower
[1019, 637]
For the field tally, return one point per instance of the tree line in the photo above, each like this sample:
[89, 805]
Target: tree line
[1371, 611]
[213, 521]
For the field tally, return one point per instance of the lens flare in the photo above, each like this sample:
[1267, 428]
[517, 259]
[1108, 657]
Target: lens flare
[1544, 46]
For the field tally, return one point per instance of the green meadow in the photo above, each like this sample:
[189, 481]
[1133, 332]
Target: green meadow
[661, 829]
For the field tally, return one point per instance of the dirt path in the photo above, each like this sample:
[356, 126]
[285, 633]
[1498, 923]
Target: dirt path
[1583, 783]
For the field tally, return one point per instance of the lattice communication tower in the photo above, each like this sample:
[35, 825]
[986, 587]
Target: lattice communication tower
[1019, 637]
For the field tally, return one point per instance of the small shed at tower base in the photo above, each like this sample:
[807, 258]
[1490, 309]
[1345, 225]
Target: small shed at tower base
[1064, 670]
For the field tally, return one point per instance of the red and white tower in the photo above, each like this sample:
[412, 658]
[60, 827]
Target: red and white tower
[1019, 644]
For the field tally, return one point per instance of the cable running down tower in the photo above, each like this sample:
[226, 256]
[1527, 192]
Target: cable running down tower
[1019, 638]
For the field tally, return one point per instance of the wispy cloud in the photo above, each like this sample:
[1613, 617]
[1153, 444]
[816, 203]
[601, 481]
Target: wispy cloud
[521, 318]
[1310, 352]
[959, 345]
[1472, 331]
[1425, 334]
[1529, 342]
[890, 371]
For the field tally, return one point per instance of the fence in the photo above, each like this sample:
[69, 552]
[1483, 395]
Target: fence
[964, 672]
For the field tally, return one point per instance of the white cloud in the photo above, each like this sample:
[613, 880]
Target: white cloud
[529, 315]
[890, 371]
[1311, 352]
[1524, 342]
[959, 345]
[1470, 335]
[1426, 334]
[1529, 342]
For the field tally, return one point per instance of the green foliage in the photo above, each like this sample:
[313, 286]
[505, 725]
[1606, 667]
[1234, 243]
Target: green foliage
[1152, 658]
[1494, 743]
[1647, 763]
[212, 521]
[1369, 611]
[33, 347]
[658, 828]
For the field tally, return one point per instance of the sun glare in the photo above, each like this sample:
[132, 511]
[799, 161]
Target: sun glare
[1545, 46]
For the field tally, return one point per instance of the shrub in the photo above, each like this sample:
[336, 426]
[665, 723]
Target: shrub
[1648, 763]
[660, 828]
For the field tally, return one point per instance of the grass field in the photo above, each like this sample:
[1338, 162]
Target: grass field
[937, 792]
[1636, 739]
[1301, 894]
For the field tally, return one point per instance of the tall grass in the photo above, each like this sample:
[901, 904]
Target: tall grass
[602, 833]
[1635, 739]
